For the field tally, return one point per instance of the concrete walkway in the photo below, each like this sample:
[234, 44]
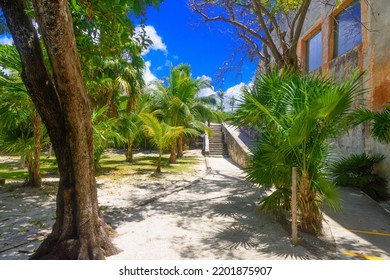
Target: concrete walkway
[214, 218]
[362, 228]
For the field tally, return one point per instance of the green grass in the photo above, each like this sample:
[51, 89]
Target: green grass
[12, 171]
[115, 164]
[111, 164]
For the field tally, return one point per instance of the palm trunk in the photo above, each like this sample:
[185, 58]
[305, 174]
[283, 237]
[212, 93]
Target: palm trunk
[129, 151]
[310, 214]
[158, 169]
[172, 157]
[180, 147]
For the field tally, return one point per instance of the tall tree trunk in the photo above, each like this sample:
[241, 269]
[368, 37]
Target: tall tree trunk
[79, 231]
[34, 161]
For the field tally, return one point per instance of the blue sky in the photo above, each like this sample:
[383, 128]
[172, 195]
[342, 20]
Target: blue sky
[182, 37]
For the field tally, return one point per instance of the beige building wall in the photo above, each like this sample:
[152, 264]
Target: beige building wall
[371, 56]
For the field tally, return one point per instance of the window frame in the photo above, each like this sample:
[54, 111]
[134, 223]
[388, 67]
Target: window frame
[335, 28]
[311, 35]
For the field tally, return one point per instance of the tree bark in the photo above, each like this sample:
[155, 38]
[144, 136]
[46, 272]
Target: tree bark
[158, 169]
[172, 157]
[310, 216]
[180, 147]
[79, 231]
[34, 161]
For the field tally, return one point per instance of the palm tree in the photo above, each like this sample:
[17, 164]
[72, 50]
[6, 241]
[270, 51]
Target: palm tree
[297, 115]
[20, 124]
[379, 122]
[181, 105]
[130, 124]
[109, 78]
[161, 134]
[105, 131]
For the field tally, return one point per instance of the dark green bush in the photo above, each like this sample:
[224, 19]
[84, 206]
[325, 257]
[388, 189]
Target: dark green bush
[357, 170]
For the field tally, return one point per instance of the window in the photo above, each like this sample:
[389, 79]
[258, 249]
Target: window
[314, 52]
[348, 32]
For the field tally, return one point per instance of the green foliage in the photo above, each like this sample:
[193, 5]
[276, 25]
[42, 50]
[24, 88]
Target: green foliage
[16, 108]
[130, 125]
[357, 170]
[161, 134]
[139, 6]
[105, 131]
[11, 170]
[105, 27]
[379, 122]
[276, 6]
[296, 115]
[178, 99]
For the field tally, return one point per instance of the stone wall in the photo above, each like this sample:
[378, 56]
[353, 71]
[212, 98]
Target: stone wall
[238, 151]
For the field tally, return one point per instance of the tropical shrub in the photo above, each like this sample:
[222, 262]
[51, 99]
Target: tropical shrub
[296, 114]
[357, 170]
[379, 122]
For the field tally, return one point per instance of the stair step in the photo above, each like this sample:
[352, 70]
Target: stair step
[217, 146]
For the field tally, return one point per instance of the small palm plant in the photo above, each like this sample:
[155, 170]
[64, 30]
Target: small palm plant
[357, 170]
[161, 134]
[130, 125]
[297, 114]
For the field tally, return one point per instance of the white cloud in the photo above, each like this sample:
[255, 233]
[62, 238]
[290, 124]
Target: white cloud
[205, 78]
[6, 41]
[232, 96]
[148, 75]
[151, 33]
[205, 91]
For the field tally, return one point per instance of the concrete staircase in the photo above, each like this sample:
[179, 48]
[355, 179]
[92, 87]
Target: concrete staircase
[217, 146]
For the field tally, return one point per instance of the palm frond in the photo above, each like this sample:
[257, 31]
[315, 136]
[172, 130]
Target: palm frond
[379, 122]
